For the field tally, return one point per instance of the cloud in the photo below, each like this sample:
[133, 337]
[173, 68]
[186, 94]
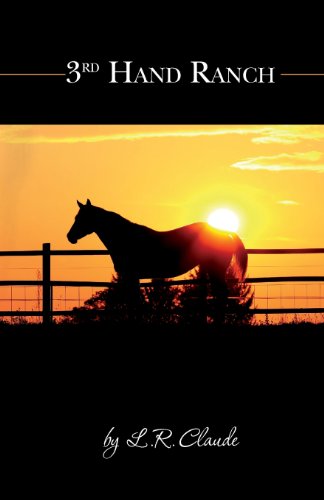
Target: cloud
[13, 136]
[261, 134]
[288, 203]
[311, 161]
[290, 134]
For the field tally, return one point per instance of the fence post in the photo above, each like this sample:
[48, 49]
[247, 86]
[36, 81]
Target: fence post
[47, 299]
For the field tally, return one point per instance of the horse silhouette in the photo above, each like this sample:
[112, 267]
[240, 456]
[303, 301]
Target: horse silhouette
[140, 252]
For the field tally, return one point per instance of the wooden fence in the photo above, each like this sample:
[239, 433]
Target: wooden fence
[47, 284]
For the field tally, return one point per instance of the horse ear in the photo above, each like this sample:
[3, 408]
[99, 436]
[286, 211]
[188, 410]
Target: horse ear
[88, 202]
[79, 204]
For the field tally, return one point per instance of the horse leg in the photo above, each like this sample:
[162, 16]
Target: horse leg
[219, 296]
[199, 306]
[132, 297]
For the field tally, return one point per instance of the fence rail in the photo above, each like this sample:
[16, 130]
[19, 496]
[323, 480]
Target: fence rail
[47, 284]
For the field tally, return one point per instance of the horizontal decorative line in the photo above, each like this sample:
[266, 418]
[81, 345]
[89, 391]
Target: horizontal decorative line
[301, 74]
[32, 74]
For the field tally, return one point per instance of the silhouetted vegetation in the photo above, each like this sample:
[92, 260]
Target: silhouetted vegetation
[160, 303]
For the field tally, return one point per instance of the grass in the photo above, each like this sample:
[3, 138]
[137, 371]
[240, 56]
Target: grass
[129, 328]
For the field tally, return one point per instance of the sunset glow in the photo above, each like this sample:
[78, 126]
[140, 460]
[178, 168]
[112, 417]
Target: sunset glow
[224, 219]
[164, 177]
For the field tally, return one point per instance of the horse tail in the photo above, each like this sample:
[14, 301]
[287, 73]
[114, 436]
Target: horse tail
[239, 260]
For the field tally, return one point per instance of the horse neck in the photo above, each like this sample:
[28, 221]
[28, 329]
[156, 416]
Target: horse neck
[107, 226]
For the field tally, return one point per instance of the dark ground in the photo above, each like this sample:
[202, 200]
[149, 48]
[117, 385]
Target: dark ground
[64, 387]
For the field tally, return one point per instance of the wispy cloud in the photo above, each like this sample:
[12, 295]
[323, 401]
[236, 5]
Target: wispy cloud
[311, 161]
[261, 134]
[290, 134]
[14, 136]
[288, 203]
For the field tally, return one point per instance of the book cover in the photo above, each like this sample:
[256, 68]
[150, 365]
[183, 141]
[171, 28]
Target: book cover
[163, 386]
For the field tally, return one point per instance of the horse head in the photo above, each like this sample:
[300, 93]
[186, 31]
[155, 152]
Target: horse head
[83, 224]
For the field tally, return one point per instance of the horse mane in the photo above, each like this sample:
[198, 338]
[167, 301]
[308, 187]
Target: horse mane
[119, 221]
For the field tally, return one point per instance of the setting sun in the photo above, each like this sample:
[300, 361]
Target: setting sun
[224, 219]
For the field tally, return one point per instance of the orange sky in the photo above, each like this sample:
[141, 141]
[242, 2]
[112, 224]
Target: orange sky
[160, 176]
